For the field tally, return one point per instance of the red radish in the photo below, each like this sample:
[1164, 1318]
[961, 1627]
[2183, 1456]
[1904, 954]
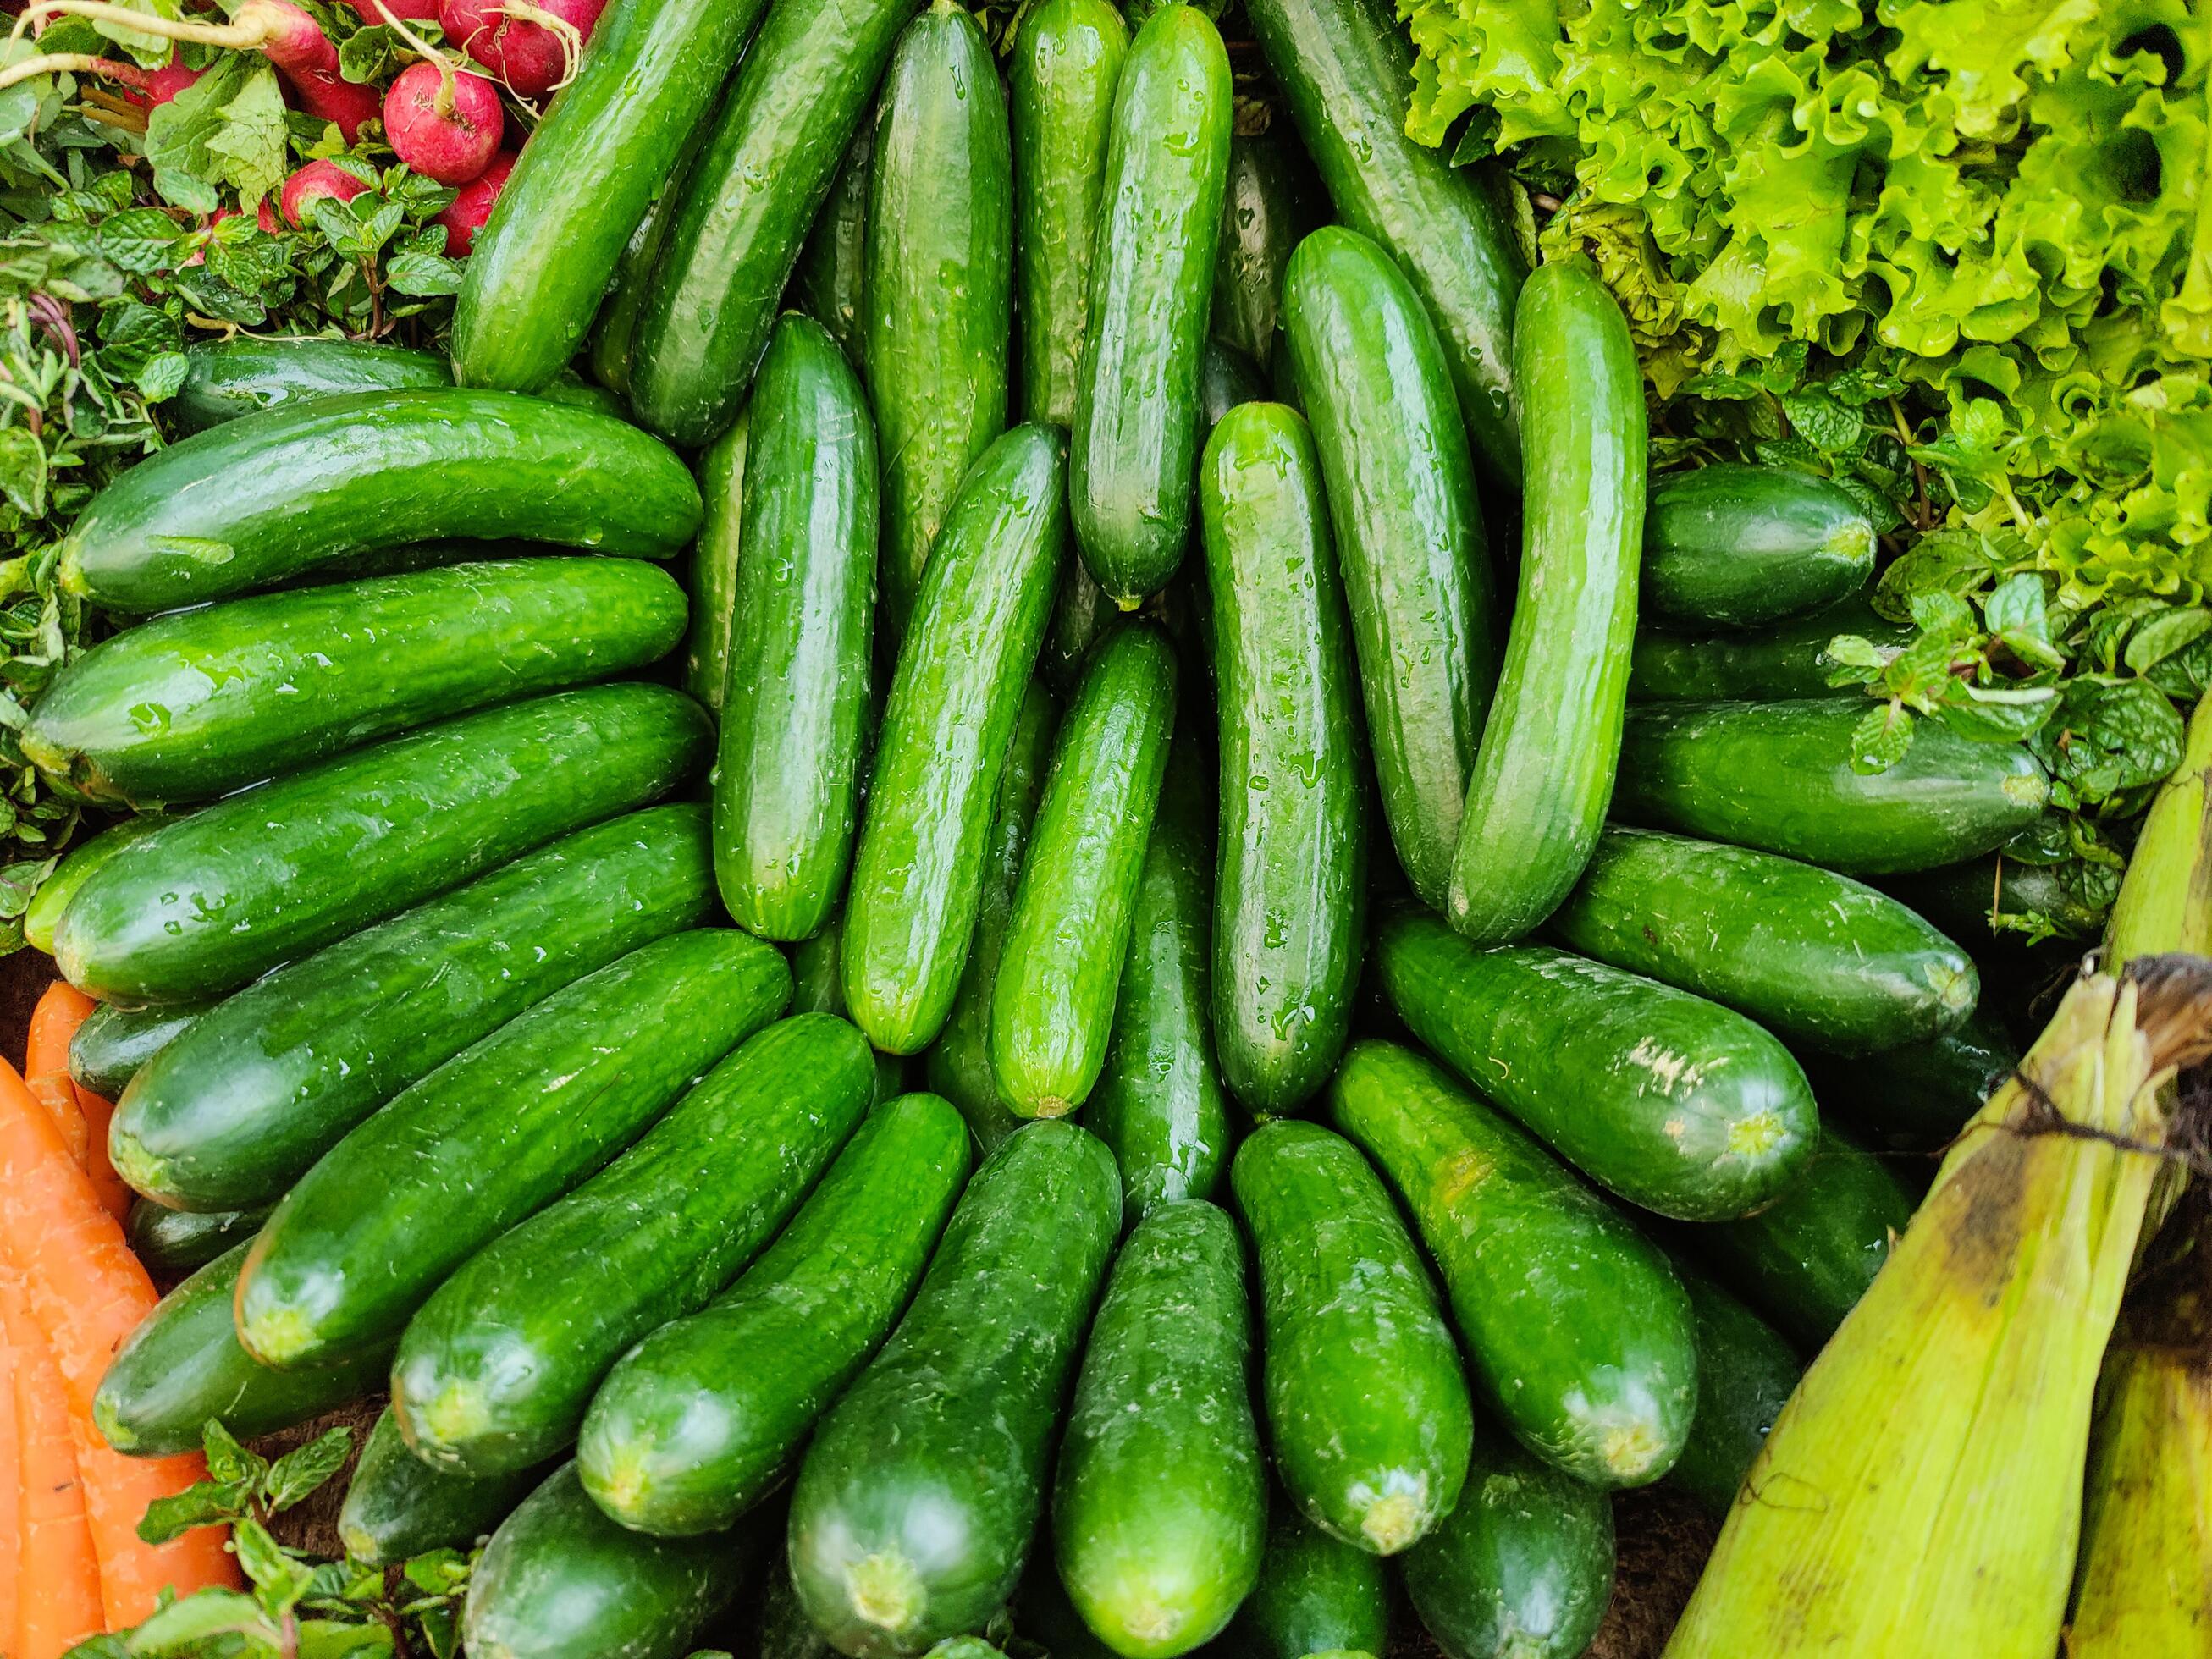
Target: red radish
[412, 11]
[471, 206]
[312, 182]
[442, 122]
[528, 44]
[166, 82]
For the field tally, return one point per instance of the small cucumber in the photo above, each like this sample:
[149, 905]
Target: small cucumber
[1367, 1406]
[398, 1507]
[832, 282]
[1267, 205]
[1735, 546]
[115, 1044]
[1745, 1372]
[1067, 935]
[1315, 1595]
[1159, 1510]
[244, 374]
[713, 584]
[1916, 1098]
[1783, 662]
[171, 1243]
[42, 919]
[1577, 1331]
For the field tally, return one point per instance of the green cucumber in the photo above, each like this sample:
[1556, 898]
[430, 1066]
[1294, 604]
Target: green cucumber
[1782, 661]
[1409, 536]
[714, 585]
[832, 282]
[171, 1244]
[572, 389]
[959, 1062]
[1735, 546]
[742, 220]
[398, 1507]
[1995, 898]
[1066, 61]
[1315, 1595]
[979, 621]
[1136, 436]
[796, 698]
[1346, 71]
[1815, 957]
[1042, 1614]
[700, 1421]
[940, 284]
[614, 329]
[226, 379]
[1267, 206]
[261, 1086]
[1674, 1103]
[783, 1630]
[1067, 935]
[42, 918]
[271, 495]
[1289, 899]
[494, 1135]
[1226, 380]
[1916, 1098]
[1745, 1372]
[1367, 1406]
[817, 986]
[1577, 1330]
[184, 1365]
[114, 1044]
[916, 1504]
[1544, 768]
[1523, 1566]
[190, 706]
[495, 1372]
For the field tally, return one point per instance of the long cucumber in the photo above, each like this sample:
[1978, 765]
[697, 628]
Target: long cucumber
[713, 584]
[226, 379]
[614, 330]
[832, 282]
[1266, 208]
[1746, 1373]
[1784, 660]
[42, 918]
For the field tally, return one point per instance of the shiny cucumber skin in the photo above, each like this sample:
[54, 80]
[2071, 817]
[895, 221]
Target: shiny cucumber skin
[832, 282]
[1291, 885]
[614, 329]
[1778, 776]
[1735, 546]
[183, 1365]
[1267, 209]
[1916, 1098]
[491, 1136]
[958, 1065]
[398, 1507]
[273, 495]
[245, 1101]
[1409, 535]
[42, 918]
[982, 610]
[1136, 434]
[940, 284]
[1672, 1102]
[1346, 71]
[1061, 78]
[1067, 936]
[226, 379]
[1769, 664]
[700, 1421]
[1815, 957]
[1746, 1373]
[741, 222]
[1577, 1332]
[190, 706]
[171, 1243]
[1544, 768]
[1522, 1567]
[714, 579]
[114, 1044]
[795, 703]
[914, 1506]
[588, 175]
[210, 902]
[1315, 1595]
[1159, 1512]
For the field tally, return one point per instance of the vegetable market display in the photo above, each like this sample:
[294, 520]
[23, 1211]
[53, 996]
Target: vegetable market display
[1022, 831]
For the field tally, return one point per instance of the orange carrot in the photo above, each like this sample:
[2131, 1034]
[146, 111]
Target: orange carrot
[132, 1572]
[61, 1010]
[61, 1604]
[81, 1115]
[11, 1506]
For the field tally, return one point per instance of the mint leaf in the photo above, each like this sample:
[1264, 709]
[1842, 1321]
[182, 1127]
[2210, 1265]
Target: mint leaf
[423, 275]
[227, 1460]
[206, 1504]
[248, 146]
[177, 133]
[302, 1470]
[1882, 737]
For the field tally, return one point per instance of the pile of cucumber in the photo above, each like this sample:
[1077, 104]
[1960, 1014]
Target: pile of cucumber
[1181, 668]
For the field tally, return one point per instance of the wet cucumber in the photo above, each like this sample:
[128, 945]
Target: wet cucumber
[1544, 768]
[916, 1504]
[1288, 903]
[831, 284]
[1067, 935]
[1409, 536]
[171, 1244]
[1267, 206]
[615, 329]
[1735, 546]
[1917, 1098]
[940, 750]
[114, 1044]
[1136, 434]
[207, 903]
[1745, 1372]
[713, 584]
[43, 917]
[1577, 1330]
[1367, 1406]
[796, 697]
[226, 379]
[1770, 665]
[1159, 1509]
[1315, 1595]
[396, 1506]
[491, 1136]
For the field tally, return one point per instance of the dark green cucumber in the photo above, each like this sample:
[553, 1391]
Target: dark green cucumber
[1778, 777]
[1745, 1372]
[42, 918]
[832, 282]
[1544, 768]
[1346, 71]
[1917, 1098]
[271, 495]
[741, 222]
[1226, 380]
[817, 986]
[1136, 434]
[1409, 536]
[492, 1135]
[1783, 662]
[190, 706]
[614, 330]
[1994, 897]
[1315, 1595]
[1367, 1406]
[183, 1365]
[714, 585]
[1523, 1566]
[1674, 1102]
[1288, 903]
[795, 700]
[398, 1507]
[1576, 1330]
[699, 1421]
[940, 284]
[783, 1630]
[572, 389]
[916, 1504]
[979, 621]
[1066, 63]
[171, 1244]
[1267, 206]
[226, 379]
[1815, 957]
[959, 1063]
[1067, 935]
[114, 1044]
[1805, 1261]
[1735, 546]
